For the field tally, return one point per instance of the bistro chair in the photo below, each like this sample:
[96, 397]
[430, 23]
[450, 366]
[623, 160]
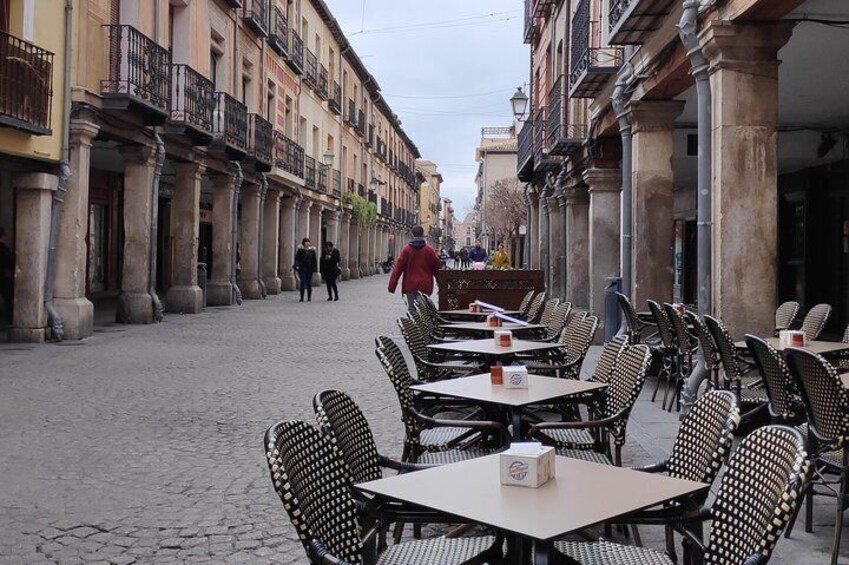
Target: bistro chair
[815, 321]
[740, 376]
[428, 439]
[685, 344]
[566, 361]
[785, 405]
[535, 309]
[555, 322]
[312, 480]
[526, 303]
[710, 356]
[667, 350]
[757, 496]
[785, 316]
[826, 400]
[637, 322]
[548, 310]
[431, 369]
[590, 439]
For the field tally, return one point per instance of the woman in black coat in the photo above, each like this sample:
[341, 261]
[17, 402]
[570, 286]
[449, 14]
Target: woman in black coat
[330, 269]
[306, 265]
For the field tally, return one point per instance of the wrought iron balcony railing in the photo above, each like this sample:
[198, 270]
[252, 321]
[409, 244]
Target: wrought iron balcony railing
[230, 124]
[139, 74]
[255, 16]
[310, 69]
[296, 52]
[532, 30]
[361, 190]
[322, 82]
[26, 85]
[278, 36]
[334, 103]
[351, 118]
[370, 137]
[192, 103]
[591, 66]
[289, 155]
[361, 123]
[321, 179]
[372, 197]
[260, 142]
[542, 161]
[309, 172]
[337, 183]
[631, 22]
[385, 208]
[525, 162]
[561, 138]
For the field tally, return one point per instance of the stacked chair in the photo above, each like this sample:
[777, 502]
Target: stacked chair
[639, 324]
[666, 350]
[740, 375]
[685, 346]
[430, 368]
[785, 316]
[567, 361]
[815, 321]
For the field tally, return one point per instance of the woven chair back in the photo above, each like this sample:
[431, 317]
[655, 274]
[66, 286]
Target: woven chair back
[664, 327]
[778, 382]
[339, 417]
[725, 348]
[682, 337]
[577, 336]
[526, 302]
[822, 392]
[535, 308]
[630, 316]
[606, 361]
[785, 314]
[815, 321]
[709, 352]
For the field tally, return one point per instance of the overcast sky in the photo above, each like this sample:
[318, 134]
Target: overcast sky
[447, 68]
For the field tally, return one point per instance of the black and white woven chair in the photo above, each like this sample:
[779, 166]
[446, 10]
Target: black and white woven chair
[526, 303]
[685, 344]
[757, 497]
[566, 361]
[555, 322]
[826, 401]
[638, 323]
[535, 309]
[785, 404]
[785, 315]
[311, 479]
[430, 439]
[591, 439]
[740, 376]
[430, 368]
[710, 356]
[815, 321]
[666, 349]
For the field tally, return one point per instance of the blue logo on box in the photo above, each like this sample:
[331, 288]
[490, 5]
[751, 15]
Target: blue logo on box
[518, 470]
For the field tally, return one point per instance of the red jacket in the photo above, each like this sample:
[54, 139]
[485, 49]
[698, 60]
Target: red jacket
[419, 264]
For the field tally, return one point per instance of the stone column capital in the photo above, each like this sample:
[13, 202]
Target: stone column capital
[303, 204]
[575, 195]
[745, 47]
[194, 169]
[332, 217]
[653, 115]
[82, 131]
[139, 154]
[346, 216]
[274, 195]
[250, 190]
[288, 202]
[35, 181]
[603, 180]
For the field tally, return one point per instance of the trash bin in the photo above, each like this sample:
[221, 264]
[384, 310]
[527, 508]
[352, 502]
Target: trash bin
[202, 281]
[612, 312]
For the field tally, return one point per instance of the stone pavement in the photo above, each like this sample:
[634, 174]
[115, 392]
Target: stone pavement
[143, 444]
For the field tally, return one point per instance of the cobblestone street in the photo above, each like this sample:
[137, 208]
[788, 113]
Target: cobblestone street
[143, 444]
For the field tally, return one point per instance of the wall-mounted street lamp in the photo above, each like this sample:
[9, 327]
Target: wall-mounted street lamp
[328, 158]
[374, 183]
[519, 103]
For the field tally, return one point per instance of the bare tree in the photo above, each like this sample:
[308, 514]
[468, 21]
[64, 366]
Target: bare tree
[505, 212]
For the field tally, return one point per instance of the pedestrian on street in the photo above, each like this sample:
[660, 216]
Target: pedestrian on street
[330, 268]
[477, 255]
[500, 259]
[306, 264]
[464, 258]
[7, 276]
[418, 263]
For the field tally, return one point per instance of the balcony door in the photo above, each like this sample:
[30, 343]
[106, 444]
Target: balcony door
[4, 15]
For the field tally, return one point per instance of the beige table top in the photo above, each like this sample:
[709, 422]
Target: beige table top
[465, 312]
[479, 387]
[483, 327]
[581, 494]
[488, 347]
[819, 347]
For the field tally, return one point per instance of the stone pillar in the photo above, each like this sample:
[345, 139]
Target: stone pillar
[331, 220]
[344, 245]
[544, 240]
[219, 290]
[354, 249]
[653, 236]
[532, 235]
[577, 203]
[605, 192]
[372, 248]
[71, 244]
[270, 250]
[135, 305]
[315, 237]
[556, 249]
[286, 257]
[249, 242]
[185, 296]
[744, 81]
[34, 196]
[363, 257]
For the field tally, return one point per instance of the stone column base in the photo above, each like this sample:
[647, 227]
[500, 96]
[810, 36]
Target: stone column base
[355, 273]
[77, 316]
[134, 308]
[184, 299]
[288, 282]
[27, 335]
[272, 285]
[346, 274]
[250, 289]
[219, 293]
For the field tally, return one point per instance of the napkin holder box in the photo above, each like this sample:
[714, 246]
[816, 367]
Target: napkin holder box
[526, 469]
[515, 377]
[493, 321]
[792, 338]
[473, 307]
[503, 338]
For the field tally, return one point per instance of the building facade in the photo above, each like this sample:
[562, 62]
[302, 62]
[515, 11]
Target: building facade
[684, 147]
[497, 157]
[430, 204]
[205, 140]
[446, 224]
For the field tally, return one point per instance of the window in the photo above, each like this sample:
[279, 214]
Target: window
[288, 118]
[248, 98]
[302, 133]
[316, 144]
[217, 68]
[270, 102]
[214, 64]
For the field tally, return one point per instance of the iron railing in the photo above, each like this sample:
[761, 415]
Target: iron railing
[361, 190]
[539, 118]
[370, 137]
[335, 101]
[192, 98]
[351, 118]
[337, 183]
[230, 121]
[139, 68]
[309, 172]
[296, 52]
[310, 69]
[255, 15]
[289, 155]
[361, 123]
[26, 85]
[580, 35]
[555, 114]
[322, 82]
[526, 144]
[531, 28]
[321, 180]
[260, 139]
[278, 37]
[616, 11]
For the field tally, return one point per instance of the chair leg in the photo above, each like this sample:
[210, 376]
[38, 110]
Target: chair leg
[399, 531]
[809, 509]
[789, 529]
[670, 544]
[657, 384]
[838, 525]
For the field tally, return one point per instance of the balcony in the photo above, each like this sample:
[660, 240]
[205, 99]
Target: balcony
[542, 161]
[310, 69]
[633, 21]
[278, 36]
[139, 75]
[334, 103]
[532, 30]
[542, 8]
[361, 190]
[351, 186]
[26, 85]
[322, 90]
[337, 183]
[289, 155]
[372, 197]
[296, 53]
[234, 3]
[321, 181]
[361, 123]
[192, 104]
[230, 126]
[351, 117]
[561, 138]
[525, 163]
[592, 66]
[260, 142]
[309, 172]
[255, 15]
[370, 136]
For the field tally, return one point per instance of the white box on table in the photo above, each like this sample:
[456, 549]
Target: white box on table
[792, 338]
[527, 464]
[516, 376]
[503, 338]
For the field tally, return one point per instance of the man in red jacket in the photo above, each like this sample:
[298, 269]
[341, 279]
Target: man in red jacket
[419, 264]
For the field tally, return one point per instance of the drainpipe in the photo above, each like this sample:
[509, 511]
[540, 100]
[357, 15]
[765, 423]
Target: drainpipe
[237, 188]
[263, 191]
[54, 318]
[688, 31]
[158, 314]
[618, 101]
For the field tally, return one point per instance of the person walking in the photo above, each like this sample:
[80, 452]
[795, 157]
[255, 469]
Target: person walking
[464, 258]
[477, 255]
[330, 268]
[418, 263]
[500, 259]
[306, 265]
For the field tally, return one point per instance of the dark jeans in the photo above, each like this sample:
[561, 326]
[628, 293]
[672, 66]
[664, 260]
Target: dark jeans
[332, 289]
[306, 283]
[7, 293]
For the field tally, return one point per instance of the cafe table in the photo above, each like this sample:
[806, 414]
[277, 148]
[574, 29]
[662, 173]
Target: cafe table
[492, 353]
[484, 328]
[465, 314]
[480, 388]
[818, 347]
[582, 494]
